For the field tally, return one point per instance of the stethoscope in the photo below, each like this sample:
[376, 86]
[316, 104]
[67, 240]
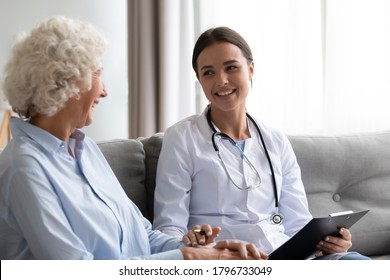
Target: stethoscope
[275, 218]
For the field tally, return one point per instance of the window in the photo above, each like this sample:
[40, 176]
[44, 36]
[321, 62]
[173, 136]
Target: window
[321, 66]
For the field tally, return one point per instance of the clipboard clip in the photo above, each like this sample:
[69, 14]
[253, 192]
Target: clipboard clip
[340, 213]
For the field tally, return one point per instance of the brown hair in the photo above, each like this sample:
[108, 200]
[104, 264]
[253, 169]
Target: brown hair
[220, 34]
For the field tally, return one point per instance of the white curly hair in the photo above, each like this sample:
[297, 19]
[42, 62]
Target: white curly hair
[52, 64]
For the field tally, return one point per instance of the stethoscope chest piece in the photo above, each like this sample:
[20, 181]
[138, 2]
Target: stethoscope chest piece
[276, 219]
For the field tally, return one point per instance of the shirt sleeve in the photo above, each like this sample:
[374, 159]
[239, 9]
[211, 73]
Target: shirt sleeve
[35, 208]
[172, 186]
[162, 246]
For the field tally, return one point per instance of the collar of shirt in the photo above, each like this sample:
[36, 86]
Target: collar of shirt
[47, 141]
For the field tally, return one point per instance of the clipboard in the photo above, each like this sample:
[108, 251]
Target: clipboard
[303, 244]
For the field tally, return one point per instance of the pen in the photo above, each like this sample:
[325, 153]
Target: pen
[200, 231]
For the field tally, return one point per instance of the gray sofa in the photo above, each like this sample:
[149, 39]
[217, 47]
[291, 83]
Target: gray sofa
[349, 172]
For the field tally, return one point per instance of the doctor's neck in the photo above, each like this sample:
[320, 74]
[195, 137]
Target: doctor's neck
[233, 123]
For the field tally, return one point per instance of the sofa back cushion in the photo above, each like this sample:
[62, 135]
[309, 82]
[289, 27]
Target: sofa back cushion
[152, 147]
[350, 172]
[127, 159]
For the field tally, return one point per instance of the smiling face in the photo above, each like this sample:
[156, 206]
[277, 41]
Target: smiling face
[225, 75]
[82, 107]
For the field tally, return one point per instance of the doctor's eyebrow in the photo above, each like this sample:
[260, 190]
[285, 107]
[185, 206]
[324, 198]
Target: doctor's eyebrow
[230, 62]
[225, 63]
[206, 67]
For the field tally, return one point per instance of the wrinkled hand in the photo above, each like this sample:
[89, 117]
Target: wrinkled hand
[206, 235]
[335, 244]
[245, 250]
[224, 250]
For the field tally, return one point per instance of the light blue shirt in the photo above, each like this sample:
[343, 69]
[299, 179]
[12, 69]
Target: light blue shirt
[54, 206]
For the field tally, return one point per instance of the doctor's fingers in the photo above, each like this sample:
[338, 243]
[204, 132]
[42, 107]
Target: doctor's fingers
[190, 239]
[197, 235]
[206, 234]
[344, 241]
[345, 234]
[333, 244]
[209, 238]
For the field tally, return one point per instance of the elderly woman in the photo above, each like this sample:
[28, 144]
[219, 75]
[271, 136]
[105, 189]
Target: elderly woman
[59, 198]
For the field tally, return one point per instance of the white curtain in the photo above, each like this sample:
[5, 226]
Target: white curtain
[321, 66]
[357, 76]
[177, 83]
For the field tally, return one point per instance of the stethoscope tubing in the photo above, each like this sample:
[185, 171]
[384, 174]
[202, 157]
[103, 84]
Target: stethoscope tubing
[224, 135]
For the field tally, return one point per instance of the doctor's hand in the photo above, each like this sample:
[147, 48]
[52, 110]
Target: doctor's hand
[201, 235]
[335, 244]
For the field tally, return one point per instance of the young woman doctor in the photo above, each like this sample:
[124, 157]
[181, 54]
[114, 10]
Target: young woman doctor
[224, 168]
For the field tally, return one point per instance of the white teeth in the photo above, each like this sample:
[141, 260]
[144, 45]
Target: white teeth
[224, 93]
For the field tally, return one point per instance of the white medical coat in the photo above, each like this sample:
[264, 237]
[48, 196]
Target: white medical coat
[192, 188]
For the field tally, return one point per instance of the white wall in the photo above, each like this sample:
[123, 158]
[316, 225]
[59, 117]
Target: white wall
[111, 116]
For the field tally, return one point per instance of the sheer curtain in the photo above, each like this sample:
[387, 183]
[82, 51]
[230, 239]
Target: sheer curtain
[177, 84]
[321, 66]
[357, 76]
